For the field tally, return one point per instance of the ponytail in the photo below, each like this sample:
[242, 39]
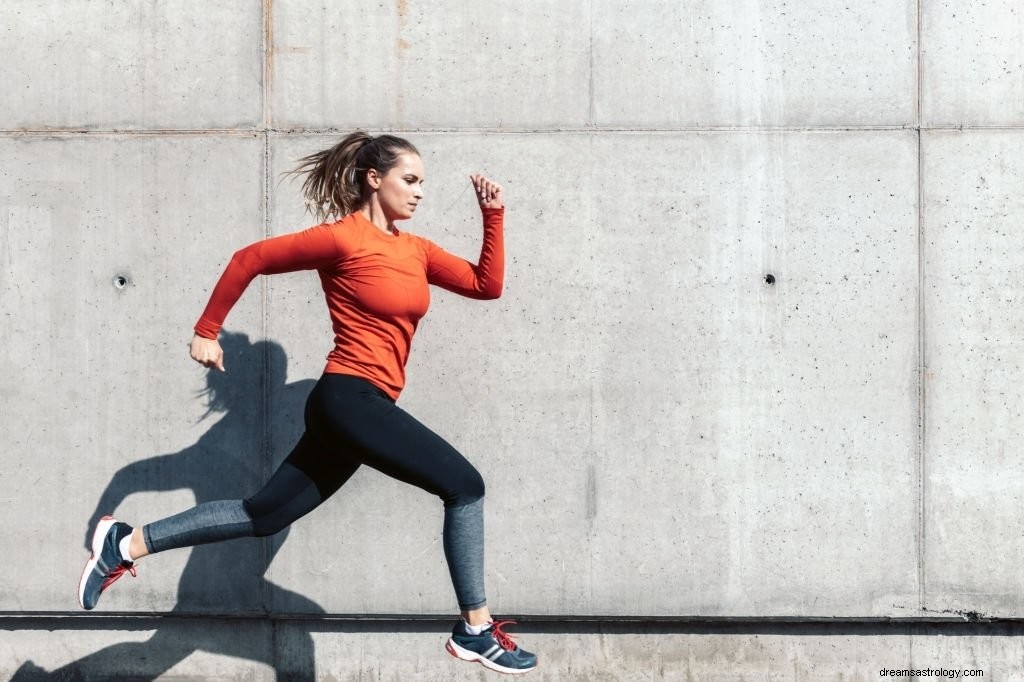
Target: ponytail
[335, 183]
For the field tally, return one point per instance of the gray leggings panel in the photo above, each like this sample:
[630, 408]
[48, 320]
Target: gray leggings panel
[464, 551]
[207, 522]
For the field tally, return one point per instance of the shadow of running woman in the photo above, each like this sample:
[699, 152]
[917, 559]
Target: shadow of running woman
[224, 576]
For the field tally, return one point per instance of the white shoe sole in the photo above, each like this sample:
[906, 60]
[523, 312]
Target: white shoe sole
[102, 528]
[467, 655]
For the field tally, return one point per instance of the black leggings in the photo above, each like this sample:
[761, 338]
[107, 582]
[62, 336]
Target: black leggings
[350, 422]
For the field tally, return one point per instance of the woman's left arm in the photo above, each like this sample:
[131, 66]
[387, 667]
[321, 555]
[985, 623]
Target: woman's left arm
[485, 279]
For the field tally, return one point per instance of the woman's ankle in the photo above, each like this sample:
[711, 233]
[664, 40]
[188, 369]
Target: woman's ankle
[137, 548]
[476, 617]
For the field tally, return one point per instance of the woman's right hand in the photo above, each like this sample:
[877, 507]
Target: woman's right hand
[207, 352]
[488, 192]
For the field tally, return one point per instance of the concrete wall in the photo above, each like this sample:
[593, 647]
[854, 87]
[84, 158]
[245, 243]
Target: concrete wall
[664, 433]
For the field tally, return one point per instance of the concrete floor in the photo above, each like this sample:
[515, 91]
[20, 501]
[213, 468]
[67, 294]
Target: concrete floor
[335, 649]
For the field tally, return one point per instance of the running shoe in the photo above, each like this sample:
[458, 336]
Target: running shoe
[105, 566]
[493, 648]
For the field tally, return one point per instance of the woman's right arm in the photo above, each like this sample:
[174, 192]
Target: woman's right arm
[306, 250]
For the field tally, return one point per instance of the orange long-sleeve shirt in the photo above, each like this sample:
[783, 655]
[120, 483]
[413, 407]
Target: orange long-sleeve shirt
[375, 284]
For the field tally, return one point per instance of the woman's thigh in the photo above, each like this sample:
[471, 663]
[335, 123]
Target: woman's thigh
[360, 421]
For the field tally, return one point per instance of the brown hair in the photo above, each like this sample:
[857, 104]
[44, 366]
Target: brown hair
[335, 183]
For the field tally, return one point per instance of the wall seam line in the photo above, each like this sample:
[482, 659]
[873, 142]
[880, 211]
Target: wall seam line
[124, 620]
[259, 131]
[266, 463]
[921, 330]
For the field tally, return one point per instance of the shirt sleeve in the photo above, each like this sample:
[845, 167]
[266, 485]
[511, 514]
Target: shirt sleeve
[310, 249]
[483, 280]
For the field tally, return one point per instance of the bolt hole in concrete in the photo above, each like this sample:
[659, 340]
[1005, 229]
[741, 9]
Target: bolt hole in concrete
[120, 281]
[769, 279]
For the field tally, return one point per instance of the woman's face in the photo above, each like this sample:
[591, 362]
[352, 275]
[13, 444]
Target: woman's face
[399, 190]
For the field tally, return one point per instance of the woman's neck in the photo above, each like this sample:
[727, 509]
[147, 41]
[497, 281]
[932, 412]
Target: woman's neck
[372, 211]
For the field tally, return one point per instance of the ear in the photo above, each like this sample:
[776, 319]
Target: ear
[373, 178]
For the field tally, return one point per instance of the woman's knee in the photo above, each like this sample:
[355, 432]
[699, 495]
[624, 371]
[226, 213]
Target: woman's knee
[266, 530]
[266, 522]
[471, 489]
[288, 495]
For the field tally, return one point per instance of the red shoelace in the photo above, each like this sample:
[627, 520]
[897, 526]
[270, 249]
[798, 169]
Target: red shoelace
[116, 574]
[504, 639]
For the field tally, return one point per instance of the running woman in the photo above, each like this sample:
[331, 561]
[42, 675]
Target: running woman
[375, 279]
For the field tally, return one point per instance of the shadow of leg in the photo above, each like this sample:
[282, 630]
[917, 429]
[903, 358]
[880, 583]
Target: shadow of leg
[174, 641]
[128, 660]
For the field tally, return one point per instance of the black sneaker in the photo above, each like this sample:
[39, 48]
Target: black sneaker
[105, 566]
[492, 647]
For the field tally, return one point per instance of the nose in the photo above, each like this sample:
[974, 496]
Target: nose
[418, 191]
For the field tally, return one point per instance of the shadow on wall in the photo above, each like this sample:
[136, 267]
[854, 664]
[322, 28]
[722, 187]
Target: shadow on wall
[226, 576]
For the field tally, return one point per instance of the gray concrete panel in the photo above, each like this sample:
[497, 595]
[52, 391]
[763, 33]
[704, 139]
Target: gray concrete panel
[192, 649]
[973, 250]
[658, 64]
[481, 64]
[655, 64]
[130, 65]
[745, 429]
[110, 246]
[705, 63]
[639, 382]
[972, 63]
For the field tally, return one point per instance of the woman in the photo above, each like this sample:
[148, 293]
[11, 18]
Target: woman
[375, 281]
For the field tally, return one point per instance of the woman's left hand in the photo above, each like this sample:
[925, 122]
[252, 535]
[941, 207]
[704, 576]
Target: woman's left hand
[488, 192]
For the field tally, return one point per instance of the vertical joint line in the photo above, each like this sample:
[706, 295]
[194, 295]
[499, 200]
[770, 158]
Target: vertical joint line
[266, 456]
[922, 364]
[922, 375]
